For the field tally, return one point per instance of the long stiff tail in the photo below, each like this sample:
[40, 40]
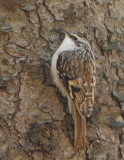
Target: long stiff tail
[79, 129]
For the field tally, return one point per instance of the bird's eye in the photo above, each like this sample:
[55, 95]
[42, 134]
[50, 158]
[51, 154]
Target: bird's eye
[73, 37]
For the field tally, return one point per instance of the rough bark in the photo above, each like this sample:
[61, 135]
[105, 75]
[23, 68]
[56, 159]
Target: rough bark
[34, 120]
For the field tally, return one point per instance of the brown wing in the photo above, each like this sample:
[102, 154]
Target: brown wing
[77, 72]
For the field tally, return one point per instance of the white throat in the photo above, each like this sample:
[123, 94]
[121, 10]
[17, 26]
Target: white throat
[66, 45]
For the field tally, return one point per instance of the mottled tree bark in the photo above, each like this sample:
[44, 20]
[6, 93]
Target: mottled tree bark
[35, 123]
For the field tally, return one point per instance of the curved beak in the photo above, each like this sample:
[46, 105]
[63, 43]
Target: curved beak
[61, 31]
[64, 31]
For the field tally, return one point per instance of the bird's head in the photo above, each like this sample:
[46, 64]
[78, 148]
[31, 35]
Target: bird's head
[72, 40]
[78, 39]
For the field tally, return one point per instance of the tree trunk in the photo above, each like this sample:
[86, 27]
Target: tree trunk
[35, 123]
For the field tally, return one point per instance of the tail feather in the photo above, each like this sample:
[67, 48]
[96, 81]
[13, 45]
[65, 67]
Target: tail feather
[79, 129]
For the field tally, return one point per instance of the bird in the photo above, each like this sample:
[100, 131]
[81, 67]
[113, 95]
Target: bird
[73, 71]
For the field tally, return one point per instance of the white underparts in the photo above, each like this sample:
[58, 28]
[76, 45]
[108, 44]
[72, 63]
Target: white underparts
[66, 45]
